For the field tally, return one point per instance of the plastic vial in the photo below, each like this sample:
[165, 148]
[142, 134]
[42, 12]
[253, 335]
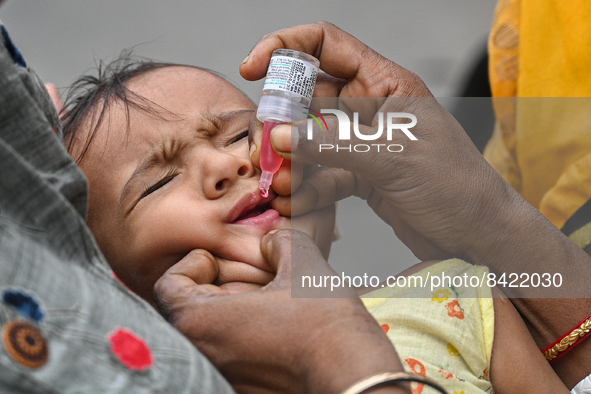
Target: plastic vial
[287, 93]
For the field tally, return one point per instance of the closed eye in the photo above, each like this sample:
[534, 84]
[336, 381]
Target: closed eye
[157, 185]
[239, 137]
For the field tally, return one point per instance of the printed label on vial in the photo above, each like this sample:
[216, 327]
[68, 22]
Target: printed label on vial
[291, 75]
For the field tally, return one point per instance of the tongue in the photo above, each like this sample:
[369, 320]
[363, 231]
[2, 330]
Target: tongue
[250, 214]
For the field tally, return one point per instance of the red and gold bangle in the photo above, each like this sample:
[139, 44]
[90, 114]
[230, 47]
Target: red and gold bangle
[568, 341]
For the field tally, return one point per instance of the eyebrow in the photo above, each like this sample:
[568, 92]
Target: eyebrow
[221, 119]
[170, 148]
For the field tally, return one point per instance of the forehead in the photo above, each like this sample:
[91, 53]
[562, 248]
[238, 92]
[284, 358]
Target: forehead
[168, 94]
[186, 89]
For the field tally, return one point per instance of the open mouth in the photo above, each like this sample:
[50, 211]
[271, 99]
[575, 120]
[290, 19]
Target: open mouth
[253, 212]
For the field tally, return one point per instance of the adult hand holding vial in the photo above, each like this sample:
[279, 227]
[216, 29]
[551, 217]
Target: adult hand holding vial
[287, 93]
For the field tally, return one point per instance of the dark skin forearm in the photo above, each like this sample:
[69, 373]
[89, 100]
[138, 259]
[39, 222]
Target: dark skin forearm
[440, 196]
[529, 243]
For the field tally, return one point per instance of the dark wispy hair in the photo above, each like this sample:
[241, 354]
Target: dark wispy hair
[89, 97]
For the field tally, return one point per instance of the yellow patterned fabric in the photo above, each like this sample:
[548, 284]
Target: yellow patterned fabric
[582, 236]
[539, 61]
[445, 334]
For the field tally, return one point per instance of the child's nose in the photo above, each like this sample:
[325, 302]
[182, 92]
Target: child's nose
[224, 172]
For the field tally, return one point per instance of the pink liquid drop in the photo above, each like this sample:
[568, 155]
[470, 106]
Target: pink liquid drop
[270, 161]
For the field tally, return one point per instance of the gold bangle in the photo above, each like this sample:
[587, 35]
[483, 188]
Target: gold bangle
[568, 341]
[383, 377]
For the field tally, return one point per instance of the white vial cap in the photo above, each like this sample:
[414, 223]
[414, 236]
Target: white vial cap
[280, 109]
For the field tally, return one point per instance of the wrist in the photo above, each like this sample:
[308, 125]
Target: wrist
[340, 357]
[514, 238]
[372, 383]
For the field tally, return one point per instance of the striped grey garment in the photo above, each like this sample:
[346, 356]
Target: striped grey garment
[67, 325]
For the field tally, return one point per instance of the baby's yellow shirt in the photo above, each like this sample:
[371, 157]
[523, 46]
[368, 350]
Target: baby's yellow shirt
[446, 333]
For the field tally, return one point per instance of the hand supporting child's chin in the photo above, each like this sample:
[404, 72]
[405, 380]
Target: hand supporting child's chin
[217, 275]
[235, 276]
[240, 276]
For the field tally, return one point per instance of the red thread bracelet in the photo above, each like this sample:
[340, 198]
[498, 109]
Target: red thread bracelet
[568, 341]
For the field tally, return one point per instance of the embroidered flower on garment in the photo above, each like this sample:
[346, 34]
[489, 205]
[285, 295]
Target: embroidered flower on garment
[454, 310]
[418, 367]
[131, 350]
[441, 295]
[451, 349]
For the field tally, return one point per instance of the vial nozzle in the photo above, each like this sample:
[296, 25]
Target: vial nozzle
[270, 161]
[265, 183]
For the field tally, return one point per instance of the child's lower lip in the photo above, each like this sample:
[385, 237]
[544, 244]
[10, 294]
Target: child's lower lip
[266, 220]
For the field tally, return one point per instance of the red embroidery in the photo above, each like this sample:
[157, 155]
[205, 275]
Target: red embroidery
[445, 374]
[418, 367]
[452, 311]
[386, 328]
[131, 350]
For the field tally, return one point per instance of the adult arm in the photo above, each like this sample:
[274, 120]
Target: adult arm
[440, 196]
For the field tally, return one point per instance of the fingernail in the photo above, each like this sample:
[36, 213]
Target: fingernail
[245, 59]
[267, 237]
[284, 138]
[253, 148]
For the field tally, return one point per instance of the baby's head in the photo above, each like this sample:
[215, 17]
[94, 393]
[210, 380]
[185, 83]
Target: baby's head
[165, 150]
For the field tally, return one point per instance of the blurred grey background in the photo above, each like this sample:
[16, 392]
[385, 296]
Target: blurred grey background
[440, 40]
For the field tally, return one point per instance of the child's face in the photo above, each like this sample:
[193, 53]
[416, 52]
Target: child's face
[180, 180]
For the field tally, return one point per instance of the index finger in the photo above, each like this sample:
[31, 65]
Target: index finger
[342, 56]
[322, 40]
